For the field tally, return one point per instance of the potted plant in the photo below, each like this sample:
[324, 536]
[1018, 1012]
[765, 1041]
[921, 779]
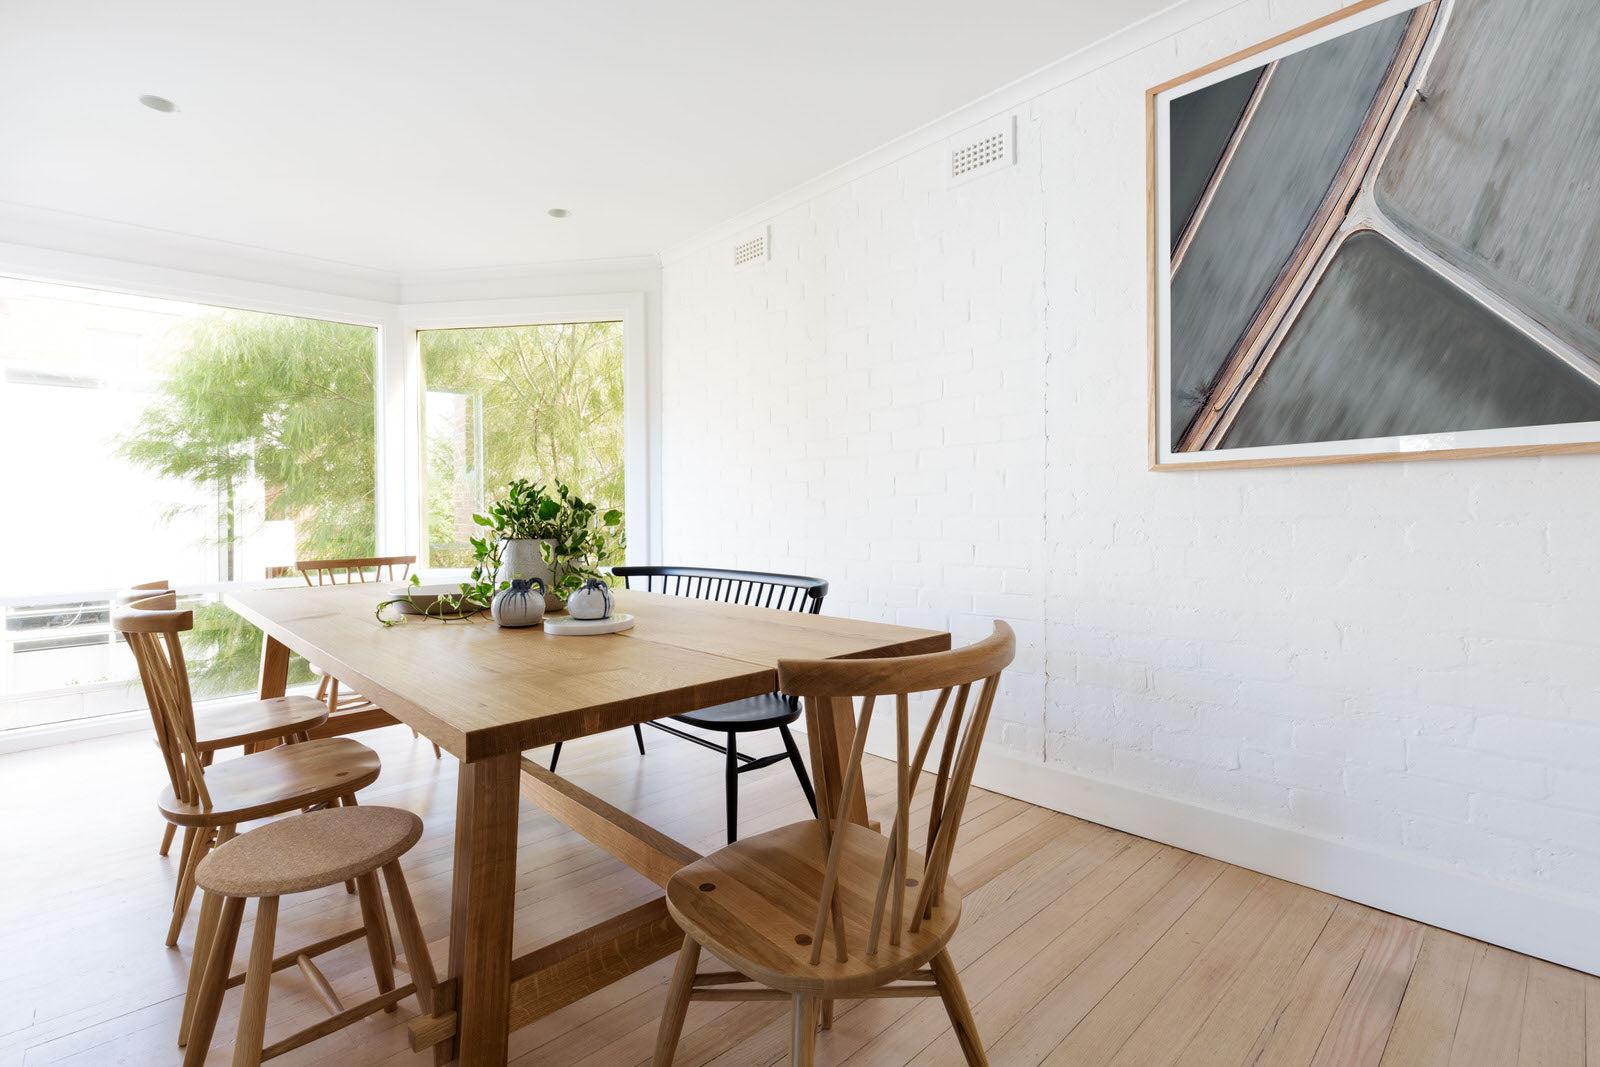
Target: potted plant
[516, 525]
[572, 538]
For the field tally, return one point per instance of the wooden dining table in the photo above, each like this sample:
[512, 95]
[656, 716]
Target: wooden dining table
[487, 694]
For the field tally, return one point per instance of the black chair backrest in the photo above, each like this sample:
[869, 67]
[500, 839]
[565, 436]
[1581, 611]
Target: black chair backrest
[786, 592]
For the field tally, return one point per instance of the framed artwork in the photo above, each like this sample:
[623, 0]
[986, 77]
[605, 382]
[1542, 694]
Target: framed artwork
[1378, 237]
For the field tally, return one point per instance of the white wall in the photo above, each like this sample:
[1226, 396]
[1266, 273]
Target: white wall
[1379, 680]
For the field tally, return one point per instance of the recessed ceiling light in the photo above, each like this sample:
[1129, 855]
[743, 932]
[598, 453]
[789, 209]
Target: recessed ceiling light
[158, 103]
[558, 212]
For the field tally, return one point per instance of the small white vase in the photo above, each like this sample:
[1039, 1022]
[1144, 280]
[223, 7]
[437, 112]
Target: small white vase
[521, 605]
[592, 601]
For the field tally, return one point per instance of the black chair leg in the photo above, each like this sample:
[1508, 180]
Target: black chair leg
[733, 790]
[555, 756]
[638, 735]
[799, 768]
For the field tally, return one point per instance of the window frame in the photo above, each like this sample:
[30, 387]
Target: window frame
[398, 382]
[639, 449]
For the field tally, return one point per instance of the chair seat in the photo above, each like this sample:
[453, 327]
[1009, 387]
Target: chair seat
[765, 712]
[277, 781]
[752, 904]
[310, 851]
[256, 720]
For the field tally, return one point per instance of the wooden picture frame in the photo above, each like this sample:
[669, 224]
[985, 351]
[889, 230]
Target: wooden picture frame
[1197, 410]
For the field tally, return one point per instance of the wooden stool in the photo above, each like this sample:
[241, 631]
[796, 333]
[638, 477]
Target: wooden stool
[209, 799]
[297, 855]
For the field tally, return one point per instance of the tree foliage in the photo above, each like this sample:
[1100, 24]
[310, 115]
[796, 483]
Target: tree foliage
[287, 407]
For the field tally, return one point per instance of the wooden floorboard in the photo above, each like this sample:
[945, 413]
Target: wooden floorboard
[1078, 944]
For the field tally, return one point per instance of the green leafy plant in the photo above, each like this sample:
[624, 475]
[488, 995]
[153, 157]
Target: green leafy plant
[578, 538]
[445, 607]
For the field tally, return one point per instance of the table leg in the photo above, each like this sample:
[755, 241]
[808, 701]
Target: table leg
[834, 730]
[482, 907]
[274, 679]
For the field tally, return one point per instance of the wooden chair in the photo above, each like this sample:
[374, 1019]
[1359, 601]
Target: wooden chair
[298, 855]
[209, 799]
[768, 904]
[348, 711]
[771, 711]
[237, 725]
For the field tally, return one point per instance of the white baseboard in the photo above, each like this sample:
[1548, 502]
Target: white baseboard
[1560, 929]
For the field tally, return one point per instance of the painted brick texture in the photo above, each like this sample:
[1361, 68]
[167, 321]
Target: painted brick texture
[935, 397]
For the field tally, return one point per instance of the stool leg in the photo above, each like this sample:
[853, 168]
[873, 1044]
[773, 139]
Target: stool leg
[373, 918]
[799, 768]
[731, 774]
[166, 837]
[554, 756]
[638, 736]
[252, 1032]
[677, 1003]
[418, 960]
[205, 932]
[218, 962]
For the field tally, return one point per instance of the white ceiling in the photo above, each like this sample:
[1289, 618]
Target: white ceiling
[410, 136]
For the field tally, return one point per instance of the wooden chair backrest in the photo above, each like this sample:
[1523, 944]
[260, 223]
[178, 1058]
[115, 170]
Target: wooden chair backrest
[786, 592]
[350, 571]
[822, 683]
[150, 621]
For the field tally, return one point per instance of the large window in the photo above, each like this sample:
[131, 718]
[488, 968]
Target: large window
[146, 438]
[538, 402]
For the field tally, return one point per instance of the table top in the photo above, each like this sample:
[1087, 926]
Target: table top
[482, 691]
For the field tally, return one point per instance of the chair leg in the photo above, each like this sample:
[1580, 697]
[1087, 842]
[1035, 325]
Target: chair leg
[185, 896]
[418, 960]
[216, 965]
[955, 1006]
[638, 736]
[373, 918]
[166, 837]
[827, 1015]
[677, 1003]
[183, 857]
[803, 1038]
[252, 1031]
[731, 774]
[436, 753]
[799, 771]
[554, 756]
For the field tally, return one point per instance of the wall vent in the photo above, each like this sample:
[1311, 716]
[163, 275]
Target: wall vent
[753, 248]
[982, 149]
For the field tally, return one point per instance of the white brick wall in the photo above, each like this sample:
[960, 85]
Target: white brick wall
[935, 397]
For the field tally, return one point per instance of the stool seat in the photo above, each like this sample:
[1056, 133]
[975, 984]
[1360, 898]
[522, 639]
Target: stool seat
[310, 851]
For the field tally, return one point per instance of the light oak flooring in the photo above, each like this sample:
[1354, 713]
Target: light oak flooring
[1078, 944]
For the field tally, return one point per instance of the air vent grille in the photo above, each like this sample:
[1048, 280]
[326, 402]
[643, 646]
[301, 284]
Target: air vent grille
[991, 149]
[754, 248]
[983, 149]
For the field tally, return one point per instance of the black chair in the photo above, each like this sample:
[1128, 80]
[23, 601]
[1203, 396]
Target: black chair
[770, 711]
